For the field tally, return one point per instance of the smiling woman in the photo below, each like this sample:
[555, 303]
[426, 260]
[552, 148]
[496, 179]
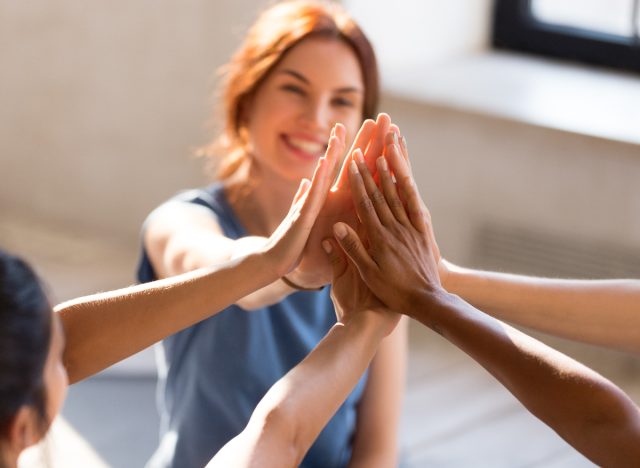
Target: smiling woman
[303, 67]
[317, 84]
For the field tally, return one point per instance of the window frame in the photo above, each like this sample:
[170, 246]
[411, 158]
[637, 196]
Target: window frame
[515, 28]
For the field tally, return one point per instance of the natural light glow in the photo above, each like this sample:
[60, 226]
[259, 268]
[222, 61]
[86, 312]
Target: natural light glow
[606, 16]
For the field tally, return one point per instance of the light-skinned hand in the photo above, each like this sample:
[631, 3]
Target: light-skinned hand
[285, 246]
[314, 269]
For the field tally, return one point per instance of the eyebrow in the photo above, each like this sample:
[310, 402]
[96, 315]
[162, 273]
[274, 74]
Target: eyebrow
[305, 80]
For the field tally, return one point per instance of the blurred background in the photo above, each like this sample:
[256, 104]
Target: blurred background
[523, 123]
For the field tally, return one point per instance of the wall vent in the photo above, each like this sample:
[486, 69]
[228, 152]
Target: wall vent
[500, 247]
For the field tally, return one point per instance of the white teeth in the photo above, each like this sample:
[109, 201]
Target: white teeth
[306, 146]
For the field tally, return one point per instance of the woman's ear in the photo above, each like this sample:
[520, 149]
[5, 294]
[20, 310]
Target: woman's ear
[25, 430]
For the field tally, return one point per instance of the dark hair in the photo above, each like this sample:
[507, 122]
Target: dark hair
[25, 334]
[276, 31]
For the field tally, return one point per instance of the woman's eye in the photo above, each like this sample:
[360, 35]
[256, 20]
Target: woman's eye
[342, 102]
[293, 89]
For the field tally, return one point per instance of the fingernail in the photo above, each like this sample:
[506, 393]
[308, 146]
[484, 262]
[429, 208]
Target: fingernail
[340, 230]
[382, 163]
[404, 142]
[358, 154]
[326, 246]
[352, 167]
[395, 138]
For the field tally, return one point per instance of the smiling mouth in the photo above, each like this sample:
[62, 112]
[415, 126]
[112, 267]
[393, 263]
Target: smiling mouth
[305, 148]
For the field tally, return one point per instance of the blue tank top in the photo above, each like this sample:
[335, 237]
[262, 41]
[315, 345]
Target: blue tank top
[213, 374]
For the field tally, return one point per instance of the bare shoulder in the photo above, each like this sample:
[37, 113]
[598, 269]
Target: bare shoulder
[174, 217]
[180, 236]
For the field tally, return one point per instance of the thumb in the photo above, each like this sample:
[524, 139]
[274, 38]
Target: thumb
[302, 190]
[336, 258]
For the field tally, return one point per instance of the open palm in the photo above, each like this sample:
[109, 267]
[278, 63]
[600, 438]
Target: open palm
[314, 269]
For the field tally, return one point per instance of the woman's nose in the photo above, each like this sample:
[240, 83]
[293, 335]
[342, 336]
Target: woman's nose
[318, 115]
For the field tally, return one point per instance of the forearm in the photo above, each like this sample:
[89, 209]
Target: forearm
[584, 408]
[376, 439]
[604, 312]
[293, 412]
[183, 258]
[105, 328]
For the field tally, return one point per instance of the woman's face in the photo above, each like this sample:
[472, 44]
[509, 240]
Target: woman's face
[55, 374]
[317, 84]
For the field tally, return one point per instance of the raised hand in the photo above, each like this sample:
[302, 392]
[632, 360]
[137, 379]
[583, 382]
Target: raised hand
[349, 293]
[400, 261]
[397, 148]
[314, 269]
[284, 247]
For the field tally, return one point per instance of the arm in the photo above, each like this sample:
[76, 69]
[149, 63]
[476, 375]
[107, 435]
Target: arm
[584, 408]
[293, 412]
[181, 237]
[587, 410]
[105, 328]
[603, 312]
[376, 437]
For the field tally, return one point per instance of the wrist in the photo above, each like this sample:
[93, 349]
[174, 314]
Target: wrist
[301, 281]
[422, 304]
[263, 265]
[451, 275]
[297, 287]
[379, 322]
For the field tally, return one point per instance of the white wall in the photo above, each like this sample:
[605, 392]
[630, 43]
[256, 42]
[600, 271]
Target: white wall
[410, 34]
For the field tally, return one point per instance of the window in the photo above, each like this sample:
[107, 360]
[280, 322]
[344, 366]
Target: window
[604, 32]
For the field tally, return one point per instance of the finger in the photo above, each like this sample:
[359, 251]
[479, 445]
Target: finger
[321, 182]
[407, 187]
[334, 152]
[395, 137]
[361, 141]
[376, 145]
[339, 132]
[352, 246]
[391, 192]
[405, 150]
[362, 203]
[303, 209]
[377, 198]
[302, 190]
[336, 257]
[392, 135]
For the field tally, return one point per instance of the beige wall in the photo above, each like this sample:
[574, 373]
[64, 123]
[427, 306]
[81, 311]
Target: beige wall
[102, 102]
[475, 170]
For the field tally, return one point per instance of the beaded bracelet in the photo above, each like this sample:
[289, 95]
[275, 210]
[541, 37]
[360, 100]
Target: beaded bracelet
[293, 285]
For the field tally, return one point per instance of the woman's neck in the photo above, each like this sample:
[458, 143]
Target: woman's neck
[259, 200]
